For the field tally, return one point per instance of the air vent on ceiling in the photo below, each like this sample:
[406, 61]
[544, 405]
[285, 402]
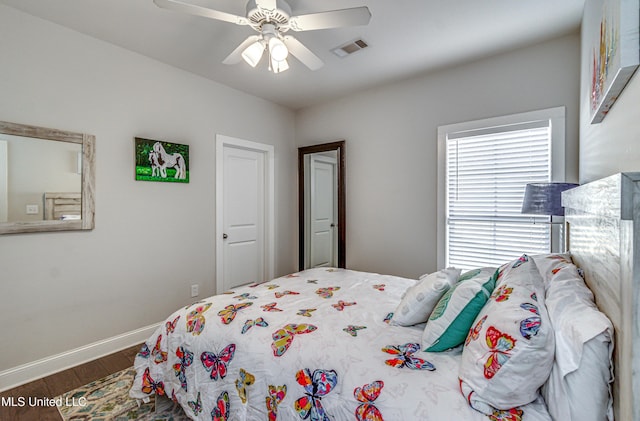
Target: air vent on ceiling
[350, 48]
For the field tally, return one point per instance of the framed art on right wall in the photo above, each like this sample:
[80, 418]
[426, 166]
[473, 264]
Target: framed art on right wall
[613, 48]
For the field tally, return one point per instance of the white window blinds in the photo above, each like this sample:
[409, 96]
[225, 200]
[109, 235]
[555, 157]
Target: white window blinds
[486, 173]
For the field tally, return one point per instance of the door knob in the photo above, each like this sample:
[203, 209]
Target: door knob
[225, 236]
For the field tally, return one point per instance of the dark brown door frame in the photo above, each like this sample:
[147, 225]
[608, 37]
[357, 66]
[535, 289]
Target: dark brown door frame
[325, 147]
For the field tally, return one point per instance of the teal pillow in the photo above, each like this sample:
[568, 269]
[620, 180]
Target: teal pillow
[453, 316]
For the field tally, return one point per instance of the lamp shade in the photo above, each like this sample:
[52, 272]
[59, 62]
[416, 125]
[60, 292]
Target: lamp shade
[253, 53]
[277, 49]
[279, 66]
[545, 198]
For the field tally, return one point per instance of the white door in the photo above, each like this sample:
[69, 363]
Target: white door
[322, 208]
[244, 191]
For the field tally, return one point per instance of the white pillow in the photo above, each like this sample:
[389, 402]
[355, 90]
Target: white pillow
[510, 348]
[579, 385]
[454, 314]
[578, 395]
[549, 264]
[420, 299]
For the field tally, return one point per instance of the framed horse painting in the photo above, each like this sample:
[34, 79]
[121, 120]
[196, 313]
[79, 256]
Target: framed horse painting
[161, 161]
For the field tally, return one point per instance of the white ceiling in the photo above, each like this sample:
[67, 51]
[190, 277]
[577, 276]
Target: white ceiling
[405, 37]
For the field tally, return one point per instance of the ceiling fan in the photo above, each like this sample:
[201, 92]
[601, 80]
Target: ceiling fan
[272, 19]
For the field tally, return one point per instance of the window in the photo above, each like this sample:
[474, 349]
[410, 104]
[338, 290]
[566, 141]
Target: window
[484, 167]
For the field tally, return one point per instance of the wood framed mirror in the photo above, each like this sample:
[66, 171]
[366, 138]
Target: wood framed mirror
[321, 205]
[46, 179]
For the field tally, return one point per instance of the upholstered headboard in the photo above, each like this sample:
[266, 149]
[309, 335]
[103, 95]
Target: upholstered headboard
[603, 222]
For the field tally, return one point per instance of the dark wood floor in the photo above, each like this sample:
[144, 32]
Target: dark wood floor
[59, 383]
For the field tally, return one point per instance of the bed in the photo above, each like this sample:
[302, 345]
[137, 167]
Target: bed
[337, 344]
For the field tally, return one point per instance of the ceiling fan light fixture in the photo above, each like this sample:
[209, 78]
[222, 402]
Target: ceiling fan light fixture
[277, 49]
[253, 53]
[279, 66]
[272, 19]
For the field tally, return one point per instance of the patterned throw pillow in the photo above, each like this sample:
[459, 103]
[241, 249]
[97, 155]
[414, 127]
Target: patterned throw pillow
[454, 314]
[509, 351]
[419, 300]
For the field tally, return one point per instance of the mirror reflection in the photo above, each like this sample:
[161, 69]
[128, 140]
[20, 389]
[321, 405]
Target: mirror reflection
[39, 179]
[321, 200]
[46, 179]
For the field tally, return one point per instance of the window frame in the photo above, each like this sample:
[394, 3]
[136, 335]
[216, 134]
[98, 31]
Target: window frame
[556, 117]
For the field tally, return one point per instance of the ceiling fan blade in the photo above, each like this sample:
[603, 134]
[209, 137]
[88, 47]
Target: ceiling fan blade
[266, 4]
[236, 55]
[331, 19]
[192, 9]
[302, 53]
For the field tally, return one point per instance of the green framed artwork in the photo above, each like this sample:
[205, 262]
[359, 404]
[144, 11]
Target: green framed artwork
[161, 161]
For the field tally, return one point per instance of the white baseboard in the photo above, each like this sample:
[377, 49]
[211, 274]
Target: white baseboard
[25, 373]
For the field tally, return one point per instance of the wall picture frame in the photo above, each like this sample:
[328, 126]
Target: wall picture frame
[613, 48]
[157, 160]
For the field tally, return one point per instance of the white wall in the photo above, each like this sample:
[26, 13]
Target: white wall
[613, 145]
[390, 135]
[61, 291]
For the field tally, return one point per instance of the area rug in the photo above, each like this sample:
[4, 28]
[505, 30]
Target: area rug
[108, 399]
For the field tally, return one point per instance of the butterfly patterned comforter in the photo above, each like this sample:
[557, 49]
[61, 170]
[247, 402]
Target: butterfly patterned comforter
[315, 345]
